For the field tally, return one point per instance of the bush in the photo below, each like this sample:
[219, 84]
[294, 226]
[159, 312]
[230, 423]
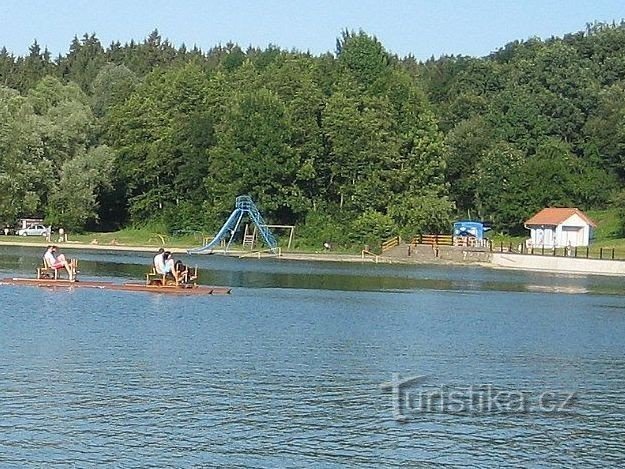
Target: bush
[427, 213]
[372, 228]
[320, 228]
[185, 216]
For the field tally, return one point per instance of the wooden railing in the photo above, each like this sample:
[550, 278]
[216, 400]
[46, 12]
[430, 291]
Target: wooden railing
[434, 239]
[390, 243]
[365, 252]
[471, 242]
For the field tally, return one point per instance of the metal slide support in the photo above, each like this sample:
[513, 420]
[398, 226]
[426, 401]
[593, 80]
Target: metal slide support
[243, 205]
[262, 227]
[245, 202]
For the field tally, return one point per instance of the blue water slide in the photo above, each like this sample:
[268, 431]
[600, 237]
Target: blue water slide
[225, 230]
[243, 206]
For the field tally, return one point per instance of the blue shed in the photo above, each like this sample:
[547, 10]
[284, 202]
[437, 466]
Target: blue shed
[470, 228]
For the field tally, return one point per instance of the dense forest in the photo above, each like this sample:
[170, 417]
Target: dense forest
[352, 147]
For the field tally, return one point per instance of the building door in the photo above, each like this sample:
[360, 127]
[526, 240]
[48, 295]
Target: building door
[548, 241]
[572, 235]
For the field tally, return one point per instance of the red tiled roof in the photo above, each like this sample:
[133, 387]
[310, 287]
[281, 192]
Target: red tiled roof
[554, 216]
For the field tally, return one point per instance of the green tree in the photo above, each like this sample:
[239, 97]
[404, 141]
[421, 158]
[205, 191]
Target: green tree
[160, 147]
[293, 79]
[466, 143]
[371, 228]
[425, 212]
[7, 68]
[253, 156]
[605, 128]
[363, 57]
[494, 171]
[554, 177]
[25, 173]
[32, 68]
[74, 199]
[112, 86]
[83, 62]
[359, 132]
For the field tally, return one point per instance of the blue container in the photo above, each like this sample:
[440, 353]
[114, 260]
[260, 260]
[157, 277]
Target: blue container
[470, 228]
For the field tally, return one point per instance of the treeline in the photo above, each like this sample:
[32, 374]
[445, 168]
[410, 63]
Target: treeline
[353, 147]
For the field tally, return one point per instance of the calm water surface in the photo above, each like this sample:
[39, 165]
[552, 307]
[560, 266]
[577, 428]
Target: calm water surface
[288, 370]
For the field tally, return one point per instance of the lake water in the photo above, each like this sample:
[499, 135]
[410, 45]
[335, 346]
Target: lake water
[311, 364]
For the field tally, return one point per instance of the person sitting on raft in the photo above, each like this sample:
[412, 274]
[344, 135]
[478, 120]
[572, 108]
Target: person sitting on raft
[158, 262]
[57, 262]
[182, 271]
[164, 264]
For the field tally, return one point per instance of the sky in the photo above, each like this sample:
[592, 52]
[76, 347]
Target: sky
[422, 28]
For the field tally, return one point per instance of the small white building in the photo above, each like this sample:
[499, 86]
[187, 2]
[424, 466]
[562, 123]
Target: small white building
[560, 227]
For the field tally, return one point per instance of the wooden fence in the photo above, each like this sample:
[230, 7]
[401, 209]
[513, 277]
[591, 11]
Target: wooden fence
[434, 239]
[584, 252]
[391, 243]
[606, 253]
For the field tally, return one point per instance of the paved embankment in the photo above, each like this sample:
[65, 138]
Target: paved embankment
[570, 265]
[401, 255]
[320, 256]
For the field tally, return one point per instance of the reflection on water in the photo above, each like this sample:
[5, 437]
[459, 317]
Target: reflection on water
[557, 289]
[286, 371]
[275, 273]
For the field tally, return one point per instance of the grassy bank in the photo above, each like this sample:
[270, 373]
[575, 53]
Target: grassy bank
[606, 239]
[147, 237]
[126, 237]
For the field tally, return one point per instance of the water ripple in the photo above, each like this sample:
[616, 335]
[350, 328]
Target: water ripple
[288, 377]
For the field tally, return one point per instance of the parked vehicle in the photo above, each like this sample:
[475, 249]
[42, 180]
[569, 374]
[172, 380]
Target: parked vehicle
[33, 230]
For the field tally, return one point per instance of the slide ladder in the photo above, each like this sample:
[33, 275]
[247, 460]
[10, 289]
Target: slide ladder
[243, 206]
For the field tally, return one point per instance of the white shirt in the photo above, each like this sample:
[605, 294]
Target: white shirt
[159, 264]
[49, 257]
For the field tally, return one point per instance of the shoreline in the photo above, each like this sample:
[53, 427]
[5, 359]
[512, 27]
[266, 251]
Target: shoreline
[518, 262]
[295, 256]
